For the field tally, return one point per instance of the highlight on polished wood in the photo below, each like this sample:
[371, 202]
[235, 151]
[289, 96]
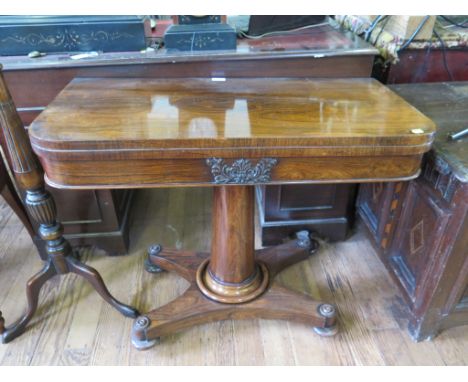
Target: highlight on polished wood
[232, 134]
[162, 131]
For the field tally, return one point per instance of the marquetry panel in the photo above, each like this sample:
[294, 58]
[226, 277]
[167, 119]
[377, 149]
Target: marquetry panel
[418, 237]
[378, 205]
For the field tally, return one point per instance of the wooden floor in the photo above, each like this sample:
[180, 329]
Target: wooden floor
[74, 327]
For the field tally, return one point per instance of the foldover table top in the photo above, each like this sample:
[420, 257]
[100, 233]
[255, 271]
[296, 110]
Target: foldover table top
[150, 132]
[233, 134]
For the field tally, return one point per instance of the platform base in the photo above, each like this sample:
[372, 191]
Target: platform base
[195, 308]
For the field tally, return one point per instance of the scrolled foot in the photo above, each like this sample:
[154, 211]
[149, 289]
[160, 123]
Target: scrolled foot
[33, 288]
[151, 268]
[139, 338]
[153, 250]
[145, 344]
[326, 332]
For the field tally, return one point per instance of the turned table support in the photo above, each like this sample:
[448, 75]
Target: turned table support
[231, 275]
[234, 281]
[280, 131]
[41, 206]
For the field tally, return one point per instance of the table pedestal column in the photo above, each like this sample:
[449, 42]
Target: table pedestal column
[231, 274]
[234, 281]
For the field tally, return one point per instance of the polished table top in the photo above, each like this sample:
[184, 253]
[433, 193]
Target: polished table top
[105, 120]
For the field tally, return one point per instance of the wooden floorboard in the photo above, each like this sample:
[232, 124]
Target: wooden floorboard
[75, 327]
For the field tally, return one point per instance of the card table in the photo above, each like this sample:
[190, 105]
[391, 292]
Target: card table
[230, 134]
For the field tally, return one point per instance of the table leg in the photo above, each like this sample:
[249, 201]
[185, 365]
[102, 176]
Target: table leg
[234, 281]
[41, 207]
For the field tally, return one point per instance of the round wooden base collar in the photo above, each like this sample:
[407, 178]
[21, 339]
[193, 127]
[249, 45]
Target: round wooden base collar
[232, 293]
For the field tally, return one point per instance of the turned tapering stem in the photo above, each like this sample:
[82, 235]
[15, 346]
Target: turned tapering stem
[30, 179]
[41, 206]
[231, 275]
[232, 247]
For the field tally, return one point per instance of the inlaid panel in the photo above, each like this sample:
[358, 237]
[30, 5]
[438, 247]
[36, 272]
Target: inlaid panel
[378, 205]
[418, 239]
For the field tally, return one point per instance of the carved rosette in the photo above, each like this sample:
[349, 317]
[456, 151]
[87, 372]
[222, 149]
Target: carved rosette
[241, 171]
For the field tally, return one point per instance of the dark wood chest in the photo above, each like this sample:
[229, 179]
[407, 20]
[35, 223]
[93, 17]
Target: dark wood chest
[420, 228]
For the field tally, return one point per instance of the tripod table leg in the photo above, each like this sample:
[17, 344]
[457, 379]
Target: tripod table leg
[33, 288]
[95, 279]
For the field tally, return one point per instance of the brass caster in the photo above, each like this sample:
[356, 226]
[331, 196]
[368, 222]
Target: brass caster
[139, 338]
[149, 266]
[304, 240]
[145, 344]
[326, 332]
[327, 311]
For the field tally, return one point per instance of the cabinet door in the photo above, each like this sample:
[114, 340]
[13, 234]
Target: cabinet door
[418, 238]
[324, 209]
[306, 201]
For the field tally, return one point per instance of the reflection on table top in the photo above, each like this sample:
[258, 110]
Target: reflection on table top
[113, 113]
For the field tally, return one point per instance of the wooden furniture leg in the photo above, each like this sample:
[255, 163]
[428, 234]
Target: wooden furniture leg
[235, 281]
[8, 192]
[12, 199]
[41, 206]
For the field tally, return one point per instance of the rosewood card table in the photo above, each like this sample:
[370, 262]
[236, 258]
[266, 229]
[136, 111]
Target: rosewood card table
[229, 134]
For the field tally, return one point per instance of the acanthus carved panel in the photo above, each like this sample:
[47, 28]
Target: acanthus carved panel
[241, 171]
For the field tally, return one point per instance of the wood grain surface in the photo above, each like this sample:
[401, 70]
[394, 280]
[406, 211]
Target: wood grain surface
[103, 132]
[109, 113]
[80, 329]
[233, 236]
